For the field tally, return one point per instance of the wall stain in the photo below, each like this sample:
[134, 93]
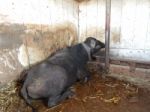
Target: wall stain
[9, 65]
[98, 33]
[115, 37]
[39, 40]
[79, 1]
[10, 35]
[42, 40]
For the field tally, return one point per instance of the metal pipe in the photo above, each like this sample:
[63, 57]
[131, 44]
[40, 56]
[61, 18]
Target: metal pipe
[107, 33]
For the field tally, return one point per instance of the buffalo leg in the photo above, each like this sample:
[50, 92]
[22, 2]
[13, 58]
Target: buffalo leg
[83, 75]
[54, 100]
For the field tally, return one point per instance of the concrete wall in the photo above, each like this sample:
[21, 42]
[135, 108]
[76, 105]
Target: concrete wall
[32, 29]
[130, 26]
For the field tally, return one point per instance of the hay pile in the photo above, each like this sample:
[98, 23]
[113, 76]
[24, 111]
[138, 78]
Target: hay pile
[9, 98]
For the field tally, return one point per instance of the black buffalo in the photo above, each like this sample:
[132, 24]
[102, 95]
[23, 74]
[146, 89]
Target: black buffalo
[52, 78]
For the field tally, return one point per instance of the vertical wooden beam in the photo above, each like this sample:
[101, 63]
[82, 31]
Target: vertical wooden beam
[107, 33]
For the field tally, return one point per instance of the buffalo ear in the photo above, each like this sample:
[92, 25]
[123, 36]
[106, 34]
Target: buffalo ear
[93, 44]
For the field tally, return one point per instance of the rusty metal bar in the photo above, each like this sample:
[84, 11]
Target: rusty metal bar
[107, 33]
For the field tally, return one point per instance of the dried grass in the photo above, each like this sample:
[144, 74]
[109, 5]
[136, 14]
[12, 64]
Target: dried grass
[8, 96]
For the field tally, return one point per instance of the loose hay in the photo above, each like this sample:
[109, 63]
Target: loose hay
[114, 100]
[9, 97]
[98, 94]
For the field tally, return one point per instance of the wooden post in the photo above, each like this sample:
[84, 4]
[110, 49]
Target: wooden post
[107, 34]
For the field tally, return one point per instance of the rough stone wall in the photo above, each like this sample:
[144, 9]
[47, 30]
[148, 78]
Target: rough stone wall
[32, 30]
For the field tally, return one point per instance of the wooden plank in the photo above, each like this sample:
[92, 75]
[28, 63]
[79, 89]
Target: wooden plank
[101, 20]
[91, 18]
[140, 24]
[147, 41]
[116, 15]
[127, 23]
[82, 20]
[124, 62]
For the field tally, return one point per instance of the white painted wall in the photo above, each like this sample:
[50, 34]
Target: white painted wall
[38, 11]
[130, 26]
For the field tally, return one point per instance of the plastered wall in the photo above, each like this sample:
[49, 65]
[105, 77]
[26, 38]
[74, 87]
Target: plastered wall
[130, 26]
[30, 30]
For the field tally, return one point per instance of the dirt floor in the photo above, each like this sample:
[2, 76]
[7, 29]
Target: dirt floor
[98, 95]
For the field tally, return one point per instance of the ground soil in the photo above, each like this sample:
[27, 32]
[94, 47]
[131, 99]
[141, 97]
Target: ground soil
[98, 95]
